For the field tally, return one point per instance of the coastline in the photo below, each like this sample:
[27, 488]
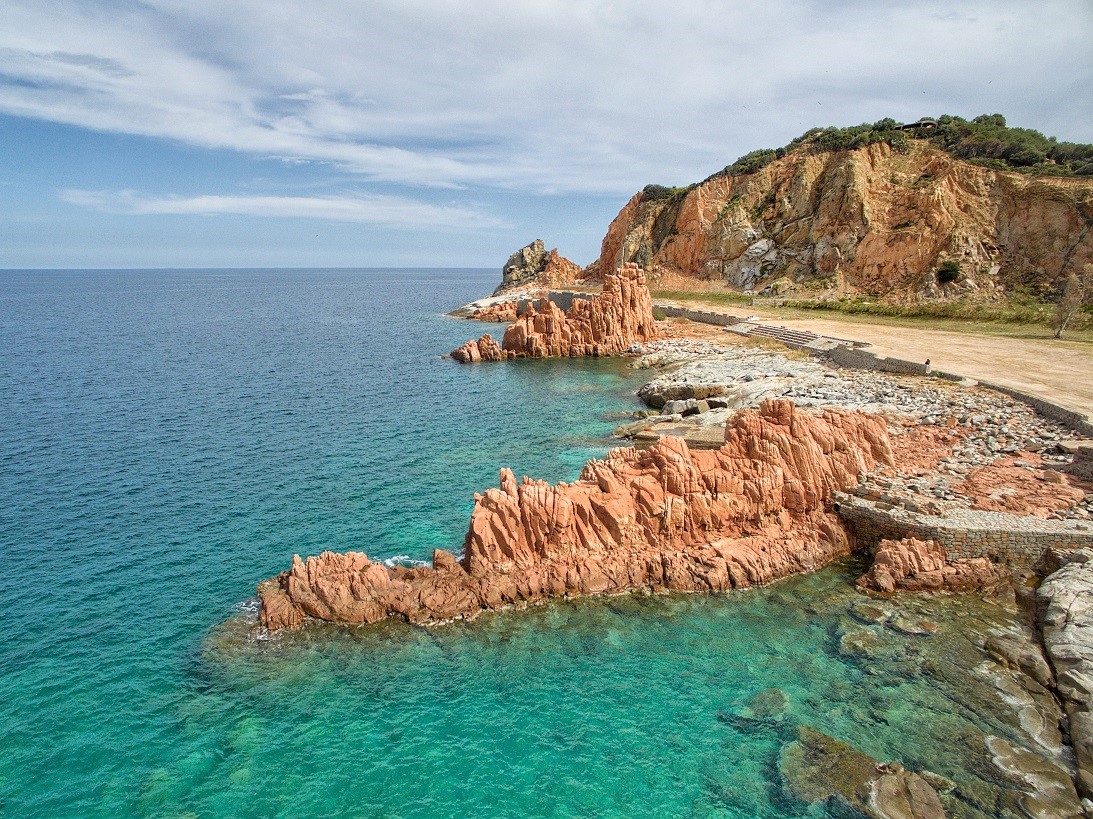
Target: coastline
[955, 419]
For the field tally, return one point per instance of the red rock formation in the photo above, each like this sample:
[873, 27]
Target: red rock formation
[661, 518]
[485, 349]
[607, 324]
[920, 565]
[506, 311]
[533, 266]
[1005, 486]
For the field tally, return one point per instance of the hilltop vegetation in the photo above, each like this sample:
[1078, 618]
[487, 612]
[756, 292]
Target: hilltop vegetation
[985, 140]
[954, 212]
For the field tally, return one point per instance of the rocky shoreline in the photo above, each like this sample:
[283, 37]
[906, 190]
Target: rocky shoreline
[735, 481]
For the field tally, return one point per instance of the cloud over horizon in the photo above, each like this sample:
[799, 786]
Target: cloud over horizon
[392, 211]
[540, 96]
[531, 119]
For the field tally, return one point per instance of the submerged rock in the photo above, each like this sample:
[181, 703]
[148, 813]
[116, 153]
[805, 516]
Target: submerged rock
[869, 612]
[819, 768]
[861, 644]
[1050, 793]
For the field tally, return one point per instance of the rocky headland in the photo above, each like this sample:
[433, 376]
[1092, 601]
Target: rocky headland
[602, 325]
[903, 225]
[754, 464]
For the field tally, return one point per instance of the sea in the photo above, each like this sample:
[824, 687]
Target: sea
[169, 438]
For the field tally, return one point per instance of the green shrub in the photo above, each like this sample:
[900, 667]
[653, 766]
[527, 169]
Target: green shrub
[657, 193]
[985, 140]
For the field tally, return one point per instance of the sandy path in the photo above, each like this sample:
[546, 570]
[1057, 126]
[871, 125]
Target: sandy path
[1059, 371]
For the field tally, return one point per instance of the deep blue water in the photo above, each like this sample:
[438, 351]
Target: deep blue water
[170, 438]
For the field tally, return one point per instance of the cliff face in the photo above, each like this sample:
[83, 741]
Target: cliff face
[871, 220]
[597, 326]
[665, 517]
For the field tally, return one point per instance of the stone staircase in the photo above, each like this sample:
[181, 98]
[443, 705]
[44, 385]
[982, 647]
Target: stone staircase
[785, 335]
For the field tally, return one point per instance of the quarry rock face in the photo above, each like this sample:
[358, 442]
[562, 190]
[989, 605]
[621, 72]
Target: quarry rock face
[607, 324]
[534, 265]
[661, 518]
[870, 220]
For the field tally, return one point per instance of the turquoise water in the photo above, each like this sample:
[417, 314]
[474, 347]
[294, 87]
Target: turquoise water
[170, 438]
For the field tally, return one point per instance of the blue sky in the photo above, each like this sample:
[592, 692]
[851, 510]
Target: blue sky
[178, 133]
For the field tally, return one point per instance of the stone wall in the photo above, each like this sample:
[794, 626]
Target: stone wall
[1004, 538]
[1068, 418]
[846, 356]
[701, 316]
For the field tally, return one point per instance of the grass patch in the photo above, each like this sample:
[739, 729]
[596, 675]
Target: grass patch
[1025, 319]
[711, 297]
[1012, 312]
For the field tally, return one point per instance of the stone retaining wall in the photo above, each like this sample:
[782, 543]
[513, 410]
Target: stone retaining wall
[1010, 539]
[701, 316]
[1068, 418]
[846, 356]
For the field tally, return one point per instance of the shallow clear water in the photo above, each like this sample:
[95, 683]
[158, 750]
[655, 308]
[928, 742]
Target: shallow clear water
[168, 439]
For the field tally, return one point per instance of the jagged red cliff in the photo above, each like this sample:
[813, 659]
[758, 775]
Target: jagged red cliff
[602, 325]
[662, 518]
[904, 225]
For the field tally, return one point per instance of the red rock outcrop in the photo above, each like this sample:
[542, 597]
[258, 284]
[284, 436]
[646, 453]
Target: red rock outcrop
[602, 325]
[661, 518]
[1007, 486]
[533, 265]
[505, 311]
[920, 565]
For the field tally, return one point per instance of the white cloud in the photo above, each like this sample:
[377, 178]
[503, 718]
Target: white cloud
[572, 95]
[391, 211]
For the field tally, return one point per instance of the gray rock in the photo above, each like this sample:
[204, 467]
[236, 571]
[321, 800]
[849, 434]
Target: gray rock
[1065, 609]
[1014, 652]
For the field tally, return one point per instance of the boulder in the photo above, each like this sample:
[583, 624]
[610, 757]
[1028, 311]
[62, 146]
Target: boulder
[817, 768]
[916, 565]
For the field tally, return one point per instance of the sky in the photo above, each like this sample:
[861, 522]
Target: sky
[358, 133]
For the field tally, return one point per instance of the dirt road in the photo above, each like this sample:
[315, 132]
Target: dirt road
[1059, 371]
